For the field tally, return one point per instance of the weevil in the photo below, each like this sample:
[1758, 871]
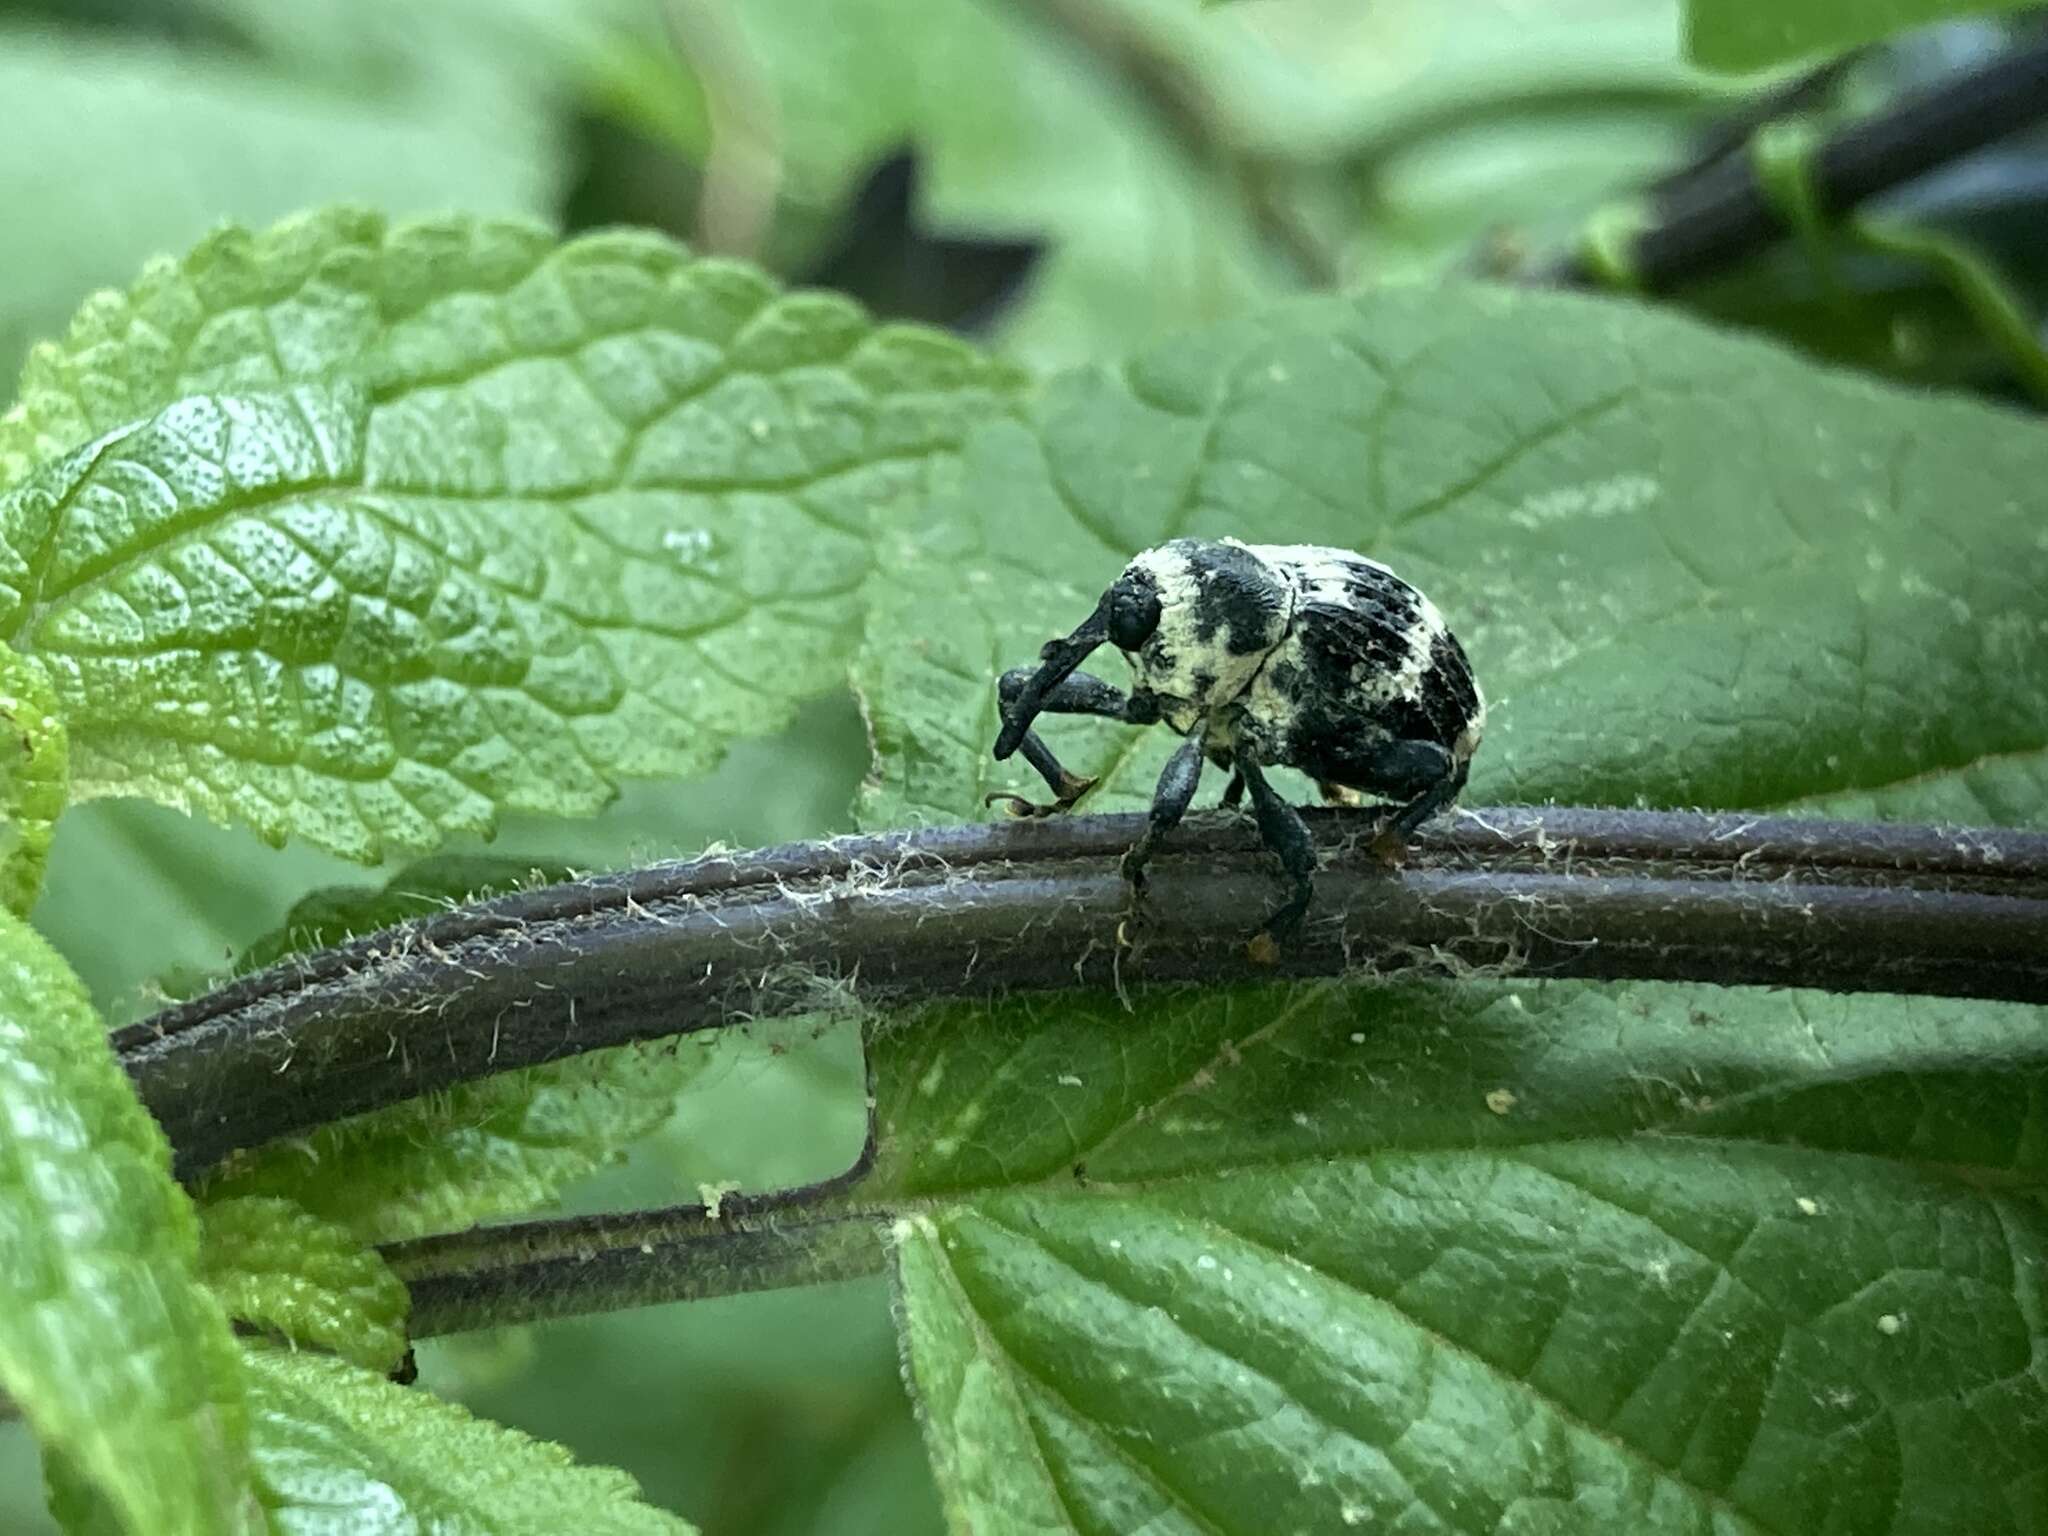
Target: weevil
[1263, 656]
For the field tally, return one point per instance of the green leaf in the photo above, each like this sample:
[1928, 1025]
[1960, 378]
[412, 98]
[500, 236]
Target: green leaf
[280, 1268]
[1474, 1258]
[121, 148]
[497, 1146]
[1750, 34]
[340, 1449]
[120, 1360]
[1690, 569]
[35, 774]
[368, 534]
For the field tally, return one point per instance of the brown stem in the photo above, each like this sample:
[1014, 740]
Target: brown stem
[528, 1271]
[1725, 214]
[1035, 906]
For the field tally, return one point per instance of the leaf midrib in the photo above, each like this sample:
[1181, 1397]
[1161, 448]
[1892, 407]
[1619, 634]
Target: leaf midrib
[1973, 1178]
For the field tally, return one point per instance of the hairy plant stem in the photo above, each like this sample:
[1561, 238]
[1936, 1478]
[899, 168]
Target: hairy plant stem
[902, 918]
[983, 910]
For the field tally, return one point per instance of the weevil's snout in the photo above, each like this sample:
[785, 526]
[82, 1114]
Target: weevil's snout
[1057, 660]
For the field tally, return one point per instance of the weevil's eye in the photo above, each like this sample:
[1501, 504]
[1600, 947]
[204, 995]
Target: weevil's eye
[1133, 616]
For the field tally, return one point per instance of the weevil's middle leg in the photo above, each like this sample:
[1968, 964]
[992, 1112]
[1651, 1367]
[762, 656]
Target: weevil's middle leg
[1077, 694]
[1170, 802]
[1283, 830]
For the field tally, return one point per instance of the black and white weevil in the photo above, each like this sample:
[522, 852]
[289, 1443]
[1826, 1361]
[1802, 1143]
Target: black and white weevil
[1264, 655]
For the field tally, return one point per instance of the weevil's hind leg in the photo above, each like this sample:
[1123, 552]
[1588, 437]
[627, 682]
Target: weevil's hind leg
[1225, 758]
[1283, 830]
[1420, 777]
[1170, 802]
[1077, 694]
[1426, 777]
[1425, 805]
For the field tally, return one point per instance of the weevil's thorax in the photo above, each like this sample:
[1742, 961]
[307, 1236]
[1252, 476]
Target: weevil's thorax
[1222, 610]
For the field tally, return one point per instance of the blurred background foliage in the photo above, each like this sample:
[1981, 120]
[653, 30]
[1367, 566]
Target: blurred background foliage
[1065, 179]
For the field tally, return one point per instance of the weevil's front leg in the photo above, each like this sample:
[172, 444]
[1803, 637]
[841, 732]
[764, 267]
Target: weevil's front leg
[1077, 694]
[1170, 802]
[1283, 830]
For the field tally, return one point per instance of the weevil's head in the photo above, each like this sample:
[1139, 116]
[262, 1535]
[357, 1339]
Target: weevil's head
[1194, 618]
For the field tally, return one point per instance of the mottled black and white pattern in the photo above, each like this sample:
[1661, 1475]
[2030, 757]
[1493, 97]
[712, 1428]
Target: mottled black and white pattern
[1308, 656]
[1265, 655]
[1367, 660]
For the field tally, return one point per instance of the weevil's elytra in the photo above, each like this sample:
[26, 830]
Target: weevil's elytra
[1264, 655]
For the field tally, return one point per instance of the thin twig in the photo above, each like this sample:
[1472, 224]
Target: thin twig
[1035, 906]
[530, 1271]
[1180, 90]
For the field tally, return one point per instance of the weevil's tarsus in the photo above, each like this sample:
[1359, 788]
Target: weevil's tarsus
[1282, 830]
[1170, 801]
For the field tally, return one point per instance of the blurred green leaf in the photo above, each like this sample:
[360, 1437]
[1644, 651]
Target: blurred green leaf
[339, 1449]
[1467, 1258]
[1749, 34]
[121, 1361]
[35, 774]
[462, 520]
[781, 1413]
[1690, 569]
[1022, 131]
[2003, 315]
[276, 1266]
[119, 149]
[499, 1146]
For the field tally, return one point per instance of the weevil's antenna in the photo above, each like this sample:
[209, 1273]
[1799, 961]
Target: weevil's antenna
[1058, 660]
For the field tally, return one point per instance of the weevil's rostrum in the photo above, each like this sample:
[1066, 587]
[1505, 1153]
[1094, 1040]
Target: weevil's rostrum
[1263, 655]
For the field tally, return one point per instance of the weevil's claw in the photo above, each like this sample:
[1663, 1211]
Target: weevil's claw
[1018, 806]
[1072, 788]
[1389, 846]
[1130, 928]
[1262, 948]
